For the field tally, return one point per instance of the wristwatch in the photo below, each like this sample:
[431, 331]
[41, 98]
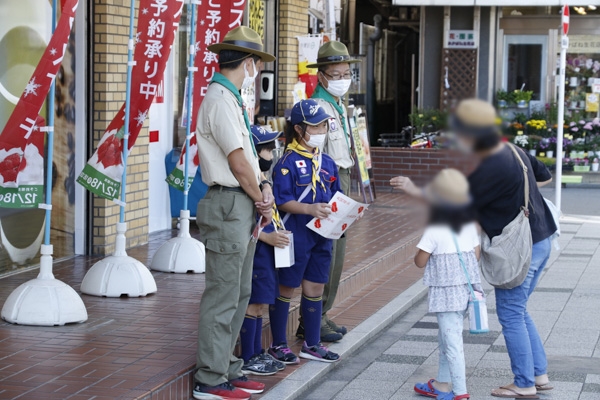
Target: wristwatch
[263, 183]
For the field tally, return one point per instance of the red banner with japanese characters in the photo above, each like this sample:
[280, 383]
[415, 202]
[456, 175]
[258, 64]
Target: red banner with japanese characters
[215, 19]
[158, 21]
[22, 139]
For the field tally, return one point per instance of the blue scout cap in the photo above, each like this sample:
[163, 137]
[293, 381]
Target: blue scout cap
[309, 112]
[262, 136]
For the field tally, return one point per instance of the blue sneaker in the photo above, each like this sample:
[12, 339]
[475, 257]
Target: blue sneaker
[428, 390]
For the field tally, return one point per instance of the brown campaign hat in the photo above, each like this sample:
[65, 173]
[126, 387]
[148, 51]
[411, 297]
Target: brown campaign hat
[243, 39]
[474, 117]
[333, 53]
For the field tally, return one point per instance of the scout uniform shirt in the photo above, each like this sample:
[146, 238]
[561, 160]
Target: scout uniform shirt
[221, 129]
[337, 143]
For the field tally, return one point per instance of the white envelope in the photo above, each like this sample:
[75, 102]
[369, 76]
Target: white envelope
[284, 258]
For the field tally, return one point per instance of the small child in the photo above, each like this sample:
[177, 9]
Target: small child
[450, 219]
[264, 276]
[304, 181]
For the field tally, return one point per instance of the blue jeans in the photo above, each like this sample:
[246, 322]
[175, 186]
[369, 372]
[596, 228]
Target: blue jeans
[525, 348]
[452, 355]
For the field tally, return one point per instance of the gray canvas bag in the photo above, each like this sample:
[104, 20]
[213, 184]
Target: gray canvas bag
[506, 258]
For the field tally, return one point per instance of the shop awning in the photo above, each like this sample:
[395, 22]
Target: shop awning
[488, 3]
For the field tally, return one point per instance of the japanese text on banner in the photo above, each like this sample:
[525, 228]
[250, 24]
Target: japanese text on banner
[22, 139]
[158, 21]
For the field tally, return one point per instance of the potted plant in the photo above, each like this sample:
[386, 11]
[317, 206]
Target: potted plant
[504, 98]
[595, 163]
[573, 99]
[522, 141]
[581, 165]
[522, 97]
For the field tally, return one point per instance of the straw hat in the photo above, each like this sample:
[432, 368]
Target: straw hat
[450, 188]
[333, 53]
[474, 117]
[243, 39]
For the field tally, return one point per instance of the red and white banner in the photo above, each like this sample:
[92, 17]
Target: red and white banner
[215, 19]
[158, 21]
[22, 139]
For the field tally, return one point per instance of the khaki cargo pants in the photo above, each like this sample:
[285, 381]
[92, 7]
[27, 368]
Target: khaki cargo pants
[226, 219]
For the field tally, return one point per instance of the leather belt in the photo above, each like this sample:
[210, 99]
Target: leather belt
[221, 188]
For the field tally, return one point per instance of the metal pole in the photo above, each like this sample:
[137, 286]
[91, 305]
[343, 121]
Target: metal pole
[130, 64]
[371, 91]
[190, 92]
[560, 120]
[50, 150]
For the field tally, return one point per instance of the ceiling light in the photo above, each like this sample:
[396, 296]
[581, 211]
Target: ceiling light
[593, 8]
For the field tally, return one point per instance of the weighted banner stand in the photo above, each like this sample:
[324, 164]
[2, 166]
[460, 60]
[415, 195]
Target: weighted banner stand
[119, 274]
[45, 301]
[183, 253]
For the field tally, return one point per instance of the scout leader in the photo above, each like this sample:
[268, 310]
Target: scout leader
[226, 215]
[305, 180]
[333, 62]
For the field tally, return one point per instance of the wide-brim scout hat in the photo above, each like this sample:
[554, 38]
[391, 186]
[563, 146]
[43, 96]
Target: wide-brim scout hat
[474, 117]
[262, 136]
[309, 112]
[332, 53]
[243, 39]
[449, 188]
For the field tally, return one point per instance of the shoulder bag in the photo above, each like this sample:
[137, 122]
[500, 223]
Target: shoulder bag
[506, 258]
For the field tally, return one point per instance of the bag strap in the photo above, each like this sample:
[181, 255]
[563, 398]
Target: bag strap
[525, 175]
[464, 267]
[306, 191]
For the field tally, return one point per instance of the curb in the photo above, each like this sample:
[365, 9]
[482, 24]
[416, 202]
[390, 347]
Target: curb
[301, 380]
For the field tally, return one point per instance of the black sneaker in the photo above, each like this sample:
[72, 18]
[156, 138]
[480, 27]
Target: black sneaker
[283, 353]
[318, 353]
[329, 335]
[269, 359]
[336, 327]
[257, 366]
[223, 391]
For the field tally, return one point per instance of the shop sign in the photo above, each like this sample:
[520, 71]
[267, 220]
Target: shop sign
[158, 21]
[584, 44]
[461, 40]
[22, 139]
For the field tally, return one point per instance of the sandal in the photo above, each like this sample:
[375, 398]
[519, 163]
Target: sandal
[451, 396]
[428, 390]
[545, 386]
[508, 393]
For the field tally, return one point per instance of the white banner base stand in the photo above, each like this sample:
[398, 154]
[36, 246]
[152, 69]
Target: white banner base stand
[181, 254]
[119, 275]
[44, 301]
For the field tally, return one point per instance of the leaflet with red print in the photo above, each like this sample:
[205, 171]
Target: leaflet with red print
[344, 212]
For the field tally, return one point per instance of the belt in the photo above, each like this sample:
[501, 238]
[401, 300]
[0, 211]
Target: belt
[345, 171]
[228, 189]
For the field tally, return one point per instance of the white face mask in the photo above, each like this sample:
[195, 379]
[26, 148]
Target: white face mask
[315, 141]
[338, 88]
[249, 80]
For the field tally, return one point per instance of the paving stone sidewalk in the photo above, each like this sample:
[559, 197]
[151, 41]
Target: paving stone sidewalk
[565, 307]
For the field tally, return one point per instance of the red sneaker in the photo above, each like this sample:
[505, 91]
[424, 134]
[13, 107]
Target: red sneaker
[224, 391]
[247, 385]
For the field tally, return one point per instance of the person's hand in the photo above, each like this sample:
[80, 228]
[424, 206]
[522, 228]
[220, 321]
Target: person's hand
[267, 217]
[267, 199]
[319, 210]
[404, 183]
[277, 239]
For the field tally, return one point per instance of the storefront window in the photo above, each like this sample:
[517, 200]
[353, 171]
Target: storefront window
[25, 29]
[582, 72]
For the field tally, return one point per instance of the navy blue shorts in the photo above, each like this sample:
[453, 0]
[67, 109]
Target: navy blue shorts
[313, 257]
[265, 287]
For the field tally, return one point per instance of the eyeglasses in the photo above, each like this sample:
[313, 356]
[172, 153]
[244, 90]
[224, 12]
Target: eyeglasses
[336, 76]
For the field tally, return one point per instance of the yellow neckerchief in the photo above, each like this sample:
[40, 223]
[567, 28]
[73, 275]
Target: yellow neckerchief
[277, 219]
[316, 177]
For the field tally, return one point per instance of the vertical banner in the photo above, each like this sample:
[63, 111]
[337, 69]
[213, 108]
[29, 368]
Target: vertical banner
[22, 139]
[360, 154]
[158, 21]
[215, 19]
[308, 49]
[363, 132]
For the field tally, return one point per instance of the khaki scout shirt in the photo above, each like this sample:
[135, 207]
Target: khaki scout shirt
[337, 143]
[220, 130]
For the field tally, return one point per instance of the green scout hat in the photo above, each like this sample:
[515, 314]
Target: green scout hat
[243, 39]
[333, 52]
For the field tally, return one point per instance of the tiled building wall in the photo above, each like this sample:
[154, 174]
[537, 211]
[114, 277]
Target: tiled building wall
[110, 33]
[293, 22]
[418, 164]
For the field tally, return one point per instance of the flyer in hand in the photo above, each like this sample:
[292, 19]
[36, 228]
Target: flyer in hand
[344, 211]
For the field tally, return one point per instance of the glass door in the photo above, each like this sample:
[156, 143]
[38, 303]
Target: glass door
[525, 65]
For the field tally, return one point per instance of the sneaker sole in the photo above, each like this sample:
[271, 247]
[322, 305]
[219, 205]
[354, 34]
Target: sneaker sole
[251, 391]
[309, 356]
[208, 396]
[247, 372]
